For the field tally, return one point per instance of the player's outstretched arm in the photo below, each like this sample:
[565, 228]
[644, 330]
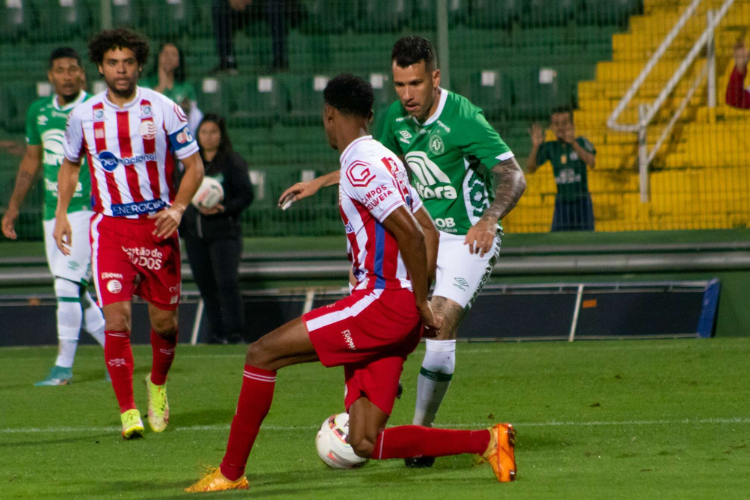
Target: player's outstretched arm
[511, 185]
[167, 221]
[306, 189]
[27, 173]
[411, 242]
[67, 180]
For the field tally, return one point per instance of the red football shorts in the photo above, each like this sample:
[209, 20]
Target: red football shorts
[371, 333]
[127, 260]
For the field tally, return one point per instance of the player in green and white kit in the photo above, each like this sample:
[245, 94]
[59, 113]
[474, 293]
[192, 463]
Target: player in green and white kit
[455, 158]
[45, 133]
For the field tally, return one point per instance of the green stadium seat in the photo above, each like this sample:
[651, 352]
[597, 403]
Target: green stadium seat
[326, 17]
[60, 22]
[127, 13]
[490, 89]
[15, 21]
[611, 12]
[533, 99]
[546, 13]
[167, 18]
[20, 95]
[494, 13]
[252, 103]
[305, 101]
[383, 16]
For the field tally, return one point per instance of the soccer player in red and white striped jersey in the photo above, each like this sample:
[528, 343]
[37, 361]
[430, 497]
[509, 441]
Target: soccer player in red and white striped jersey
[392, 245]
[129, 136]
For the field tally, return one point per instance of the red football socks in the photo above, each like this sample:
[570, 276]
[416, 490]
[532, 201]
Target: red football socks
[410, 441]
[255, 401]
[119, 358]
[162, 349]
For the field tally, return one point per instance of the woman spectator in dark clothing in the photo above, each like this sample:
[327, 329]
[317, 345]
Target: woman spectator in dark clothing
[213, 237]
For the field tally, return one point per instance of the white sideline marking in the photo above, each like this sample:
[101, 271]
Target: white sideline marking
[553, 423]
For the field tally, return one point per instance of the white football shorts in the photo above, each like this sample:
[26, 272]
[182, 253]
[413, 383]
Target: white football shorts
[75, 267]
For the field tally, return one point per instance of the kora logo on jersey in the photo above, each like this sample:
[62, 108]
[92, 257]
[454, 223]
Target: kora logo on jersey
[431, 182]
[359, 174]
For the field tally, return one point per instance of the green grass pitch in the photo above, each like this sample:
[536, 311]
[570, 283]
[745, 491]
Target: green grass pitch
[596, 420]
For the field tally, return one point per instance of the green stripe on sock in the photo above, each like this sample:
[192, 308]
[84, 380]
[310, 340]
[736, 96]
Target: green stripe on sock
[69, 299]
[437, 377]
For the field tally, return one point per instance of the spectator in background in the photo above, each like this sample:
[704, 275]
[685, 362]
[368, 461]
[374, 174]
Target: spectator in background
[213, 237]
[570, 156]
[168, 78]
[737, 95]
[228, 15]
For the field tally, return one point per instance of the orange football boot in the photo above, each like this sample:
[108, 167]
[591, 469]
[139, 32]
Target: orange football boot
[214, 480]
[500, 453]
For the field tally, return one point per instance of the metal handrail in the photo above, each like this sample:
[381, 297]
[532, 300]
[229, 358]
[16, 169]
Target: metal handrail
[679, 73]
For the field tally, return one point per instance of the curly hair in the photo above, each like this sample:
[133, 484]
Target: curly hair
[350, 94]
[120, 38]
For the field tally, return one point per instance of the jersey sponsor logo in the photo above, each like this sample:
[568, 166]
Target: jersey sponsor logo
[377, 196]
[54, 152]
[349, 228]
[140, 208]
[42, 120]
[98, 115]
[98, 134]
[568, 176]
[446, 223]
[461, 283]
[73, 265]
[51, 187]
[114, 286]
[109, 276]
[437, 146]
[109, 161]
[145, 111]
[147, 130]
[405, 134]
[444, 126]
[359, 174]
[145, 257]
[428, 177]
[348, 339]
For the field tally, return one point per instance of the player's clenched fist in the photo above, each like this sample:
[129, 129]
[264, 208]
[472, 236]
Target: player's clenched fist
[167, 221]
[63, 234]
[9, 220]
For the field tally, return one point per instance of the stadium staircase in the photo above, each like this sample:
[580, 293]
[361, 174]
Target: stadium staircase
[706, 152]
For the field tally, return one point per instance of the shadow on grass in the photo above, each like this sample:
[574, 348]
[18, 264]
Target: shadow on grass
[206, 417]
[87, 437]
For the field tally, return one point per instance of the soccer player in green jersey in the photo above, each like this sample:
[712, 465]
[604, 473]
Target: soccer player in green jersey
[468, 180]
[570, 157]
[45, 131]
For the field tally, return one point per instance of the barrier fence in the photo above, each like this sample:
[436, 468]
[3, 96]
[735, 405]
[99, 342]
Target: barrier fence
[264, 69]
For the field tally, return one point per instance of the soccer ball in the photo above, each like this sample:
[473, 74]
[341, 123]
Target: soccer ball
[333, 444]
[209, 194]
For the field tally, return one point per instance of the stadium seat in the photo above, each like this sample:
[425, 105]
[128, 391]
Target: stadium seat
[326, 16]
[15, 20]
[382, 16]
[305, 101]
[545, 13]
[126, 13]
[612, 12]
[490, 89]
[167, 18]
[20, 95]
[494, 13]
[60, 22]
[252, 103]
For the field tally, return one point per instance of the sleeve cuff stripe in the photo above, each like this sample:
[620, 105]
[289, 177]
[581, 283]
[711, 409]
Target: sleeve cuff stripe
[505, 156]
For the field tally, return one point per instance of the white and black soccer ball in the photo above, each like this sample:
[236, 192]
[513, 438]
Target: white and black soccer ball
[209, 194]
[333, 444]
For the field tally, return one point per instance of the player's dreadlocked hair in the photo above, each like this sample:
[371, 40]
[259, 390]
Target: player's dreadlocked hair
[120, 38]
[412, 50]
[350, 95]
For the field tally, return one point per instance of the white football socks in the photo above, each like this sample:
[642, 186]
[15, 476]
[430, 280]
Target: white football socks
[434, 379]
[93, 319]
[69, 318]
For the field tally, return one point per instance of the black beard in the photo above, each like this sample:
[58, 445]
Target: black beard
[70, 98]
[122, 93]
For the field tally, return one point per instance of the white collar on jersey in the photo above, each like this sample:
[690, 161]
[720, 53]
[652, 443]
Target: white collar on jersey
[441, 105]
[78, 100]
[127, 105]
[342, 158]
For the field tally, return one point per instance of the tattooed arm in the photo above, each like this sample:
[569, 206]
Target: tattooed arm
[27, 174]
[510, 185]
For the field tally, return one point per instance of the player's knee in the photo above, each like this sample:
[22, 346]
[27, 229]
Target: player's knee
[165, 326]
[258, 354]
[362, 446]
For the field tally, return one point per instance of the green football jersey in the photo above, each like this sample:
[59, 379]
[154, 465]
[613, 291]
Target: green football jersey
[570, 171]
[45, 125]
[450, 156]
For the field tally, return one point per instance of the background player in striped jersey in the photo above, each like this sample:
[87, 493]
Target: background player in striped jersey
[129, 136]
[468, 179]
[45, 130]
[372, 331]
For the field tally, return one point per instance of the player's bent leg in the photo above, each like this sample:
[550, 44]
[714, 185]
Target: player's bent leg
[163, 343]
[69, 318]
[366, 423]
[119, 358]
[288, 345]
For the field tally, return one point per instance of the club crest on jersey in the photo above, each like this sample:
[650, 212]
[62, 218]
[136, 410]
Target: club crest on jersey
[359, 174]
[436, 145]
[147, 130]
[98, 115]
